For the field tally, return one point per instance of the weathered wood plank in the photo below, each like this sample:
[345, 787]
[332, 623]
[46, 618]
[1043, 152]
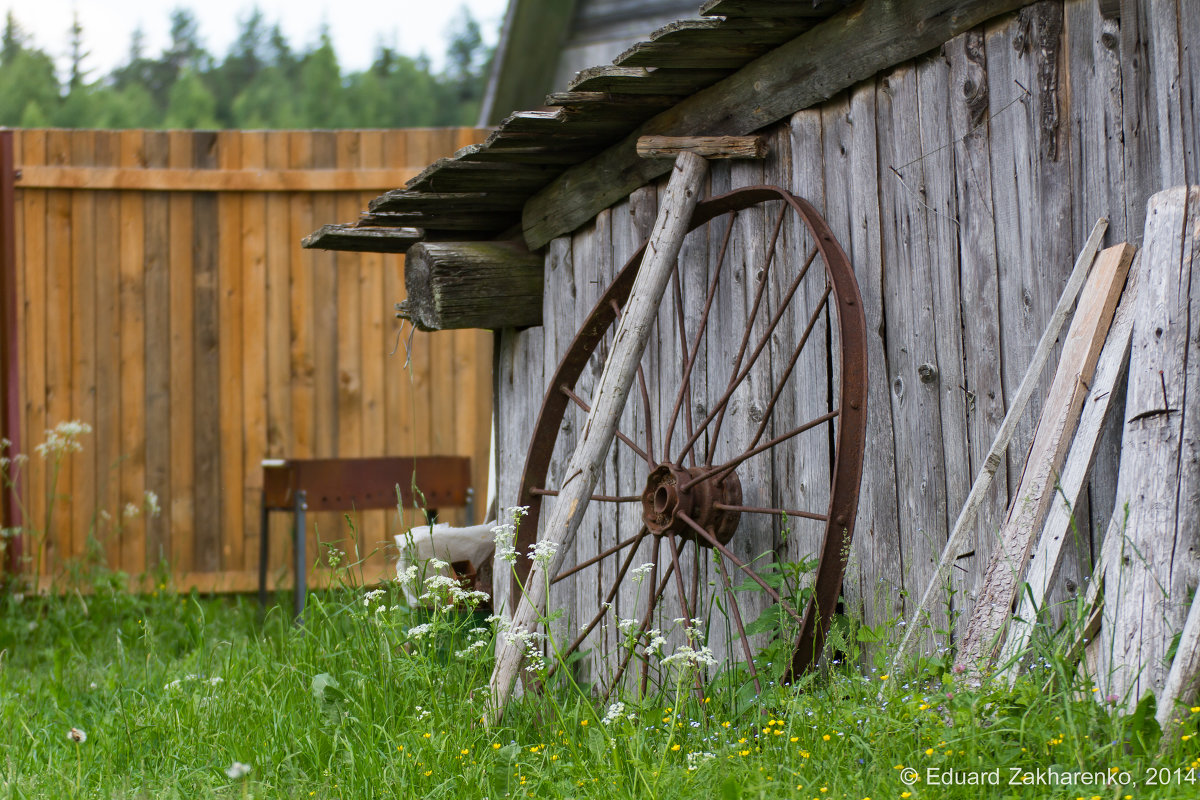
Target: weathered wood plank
[351, 238]
[58, 347]
[278, 334]
[911, 347]
[807, 70]
[34, 270]
[1060, 527]
[706, 146]
[874, 581]
[1060, 414]
[323, 323]
[206, 369]
[230, 355]
[639, 80]
[472, 285]
[133, 358]
[180, 508]
[348, 368]
[770, 8]
[83, 342]
[1155, 563]
[970, 86]
[254, 341]
[158, 355]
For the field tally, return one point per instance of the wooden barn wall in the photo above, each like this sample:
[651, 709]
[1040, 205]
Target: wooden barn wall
[196, 337]
[962, 185]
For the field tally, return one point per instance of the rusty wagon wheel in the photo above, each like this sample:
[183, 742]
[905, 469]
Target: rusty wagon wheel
[680, 491]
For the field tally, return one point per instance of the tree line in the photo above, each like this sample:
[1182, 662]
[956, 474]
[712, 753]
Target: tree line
[262, 82]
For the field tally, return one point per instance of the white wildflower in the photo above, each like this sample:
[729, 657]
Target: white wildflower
[150, 501]
[502, 537]
[417, 631]
[77, 735]
[688, 657]
[371, 595]
[216, 681]
[63, 439]
[238, 770]
[543, 552]
[408, 576]
[615, 712]
[470, 649]
[694, 760]
[639, 573]
[130, 511]
[437, 564]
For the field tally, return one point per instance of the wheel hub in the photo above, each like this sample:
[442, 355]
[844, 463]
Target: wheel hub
[665, 502]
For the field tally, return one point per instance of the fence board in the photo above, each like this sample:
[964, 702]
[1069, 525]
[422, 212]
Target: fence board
[165, 300]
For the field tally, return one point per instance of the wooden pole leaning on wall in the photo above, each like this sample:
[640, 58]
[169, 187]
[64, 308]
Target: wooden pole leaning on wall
[586, 463]
[1056, 427]
[488, 285]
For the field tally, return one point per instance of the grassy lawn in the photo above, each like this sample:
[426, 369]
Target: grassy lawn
[183, 696]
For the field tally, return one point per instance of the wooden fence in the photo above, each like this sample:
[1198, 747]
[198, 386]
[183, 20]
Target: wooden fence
[164, 299]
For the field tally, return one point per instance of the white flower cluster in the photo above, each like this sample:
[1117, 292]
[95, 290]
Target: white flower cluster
[531, 643]
[542, 553]
[372, 595]
[614, 713]
[504, 534]
[418, 631]
[687, 657]
[694, 760]
[471, 649]
[238, 770]
[178, 682]
[63, 439]
[443, 588]
[639, 573]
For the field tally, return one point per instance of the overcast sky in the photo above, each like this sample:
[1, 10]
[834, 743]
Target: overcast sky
[357, 27]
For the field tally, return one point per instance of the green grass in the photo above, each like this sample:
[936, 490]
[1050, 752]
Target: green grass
[172, 690]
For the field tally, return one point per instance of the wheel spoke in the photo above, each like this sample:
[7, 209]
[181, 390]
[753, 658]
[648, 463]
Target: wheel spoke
[603, 498]
[612, 592]
[597, 558]
[579, 401]
[737, 361]
[728, 467]
[740, 376]
[661, 587]
[685, 368]
[725, 551]
[787, 373]
[695, 348]
[776, 511]
[737, 619]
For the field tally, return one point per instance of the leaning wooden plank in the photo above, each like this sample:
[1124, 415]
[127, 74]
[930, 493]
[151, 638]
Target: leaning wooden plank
[956, 542]
[1060, 414]
[812, 67]
[472, 285]
[1044, 569]
[351, 238]
[681, 55]
[585, 466]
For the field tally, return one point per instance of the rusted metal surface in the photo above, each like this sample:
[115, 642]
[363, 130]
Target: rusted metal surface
[702, 504]
[346, 484]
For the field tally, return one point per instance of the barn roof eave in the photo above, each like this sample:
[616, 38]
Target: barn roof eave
[743, 65]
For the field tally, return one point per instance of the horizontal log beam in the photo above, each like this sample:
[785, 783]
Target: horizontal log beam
[211, 180]
[837, 53]
[454, 285]
[706, 146]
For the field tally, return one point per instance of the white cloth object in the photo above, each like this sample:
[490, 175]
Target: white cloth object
[445, 542]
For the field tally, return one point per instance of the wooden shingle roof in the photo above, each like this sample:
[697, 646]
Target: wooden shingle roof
[481, 190]
[742, 65]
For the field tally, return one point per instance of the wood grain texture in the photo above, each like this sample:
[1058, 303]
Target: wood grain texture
[83, 345]
[206, 368]
[230, 355]
[58, 350]
[158, 355]
[133, 359]
[1156, 562]
[140, 178]
[181, 507]
[1081, 349]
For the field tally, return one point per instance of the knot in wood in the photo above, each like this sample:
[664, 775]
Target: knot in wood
[927, 373]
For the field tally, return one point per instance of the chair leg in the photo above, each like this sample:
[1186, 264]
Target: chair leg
[301, 582]
[264, 549]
